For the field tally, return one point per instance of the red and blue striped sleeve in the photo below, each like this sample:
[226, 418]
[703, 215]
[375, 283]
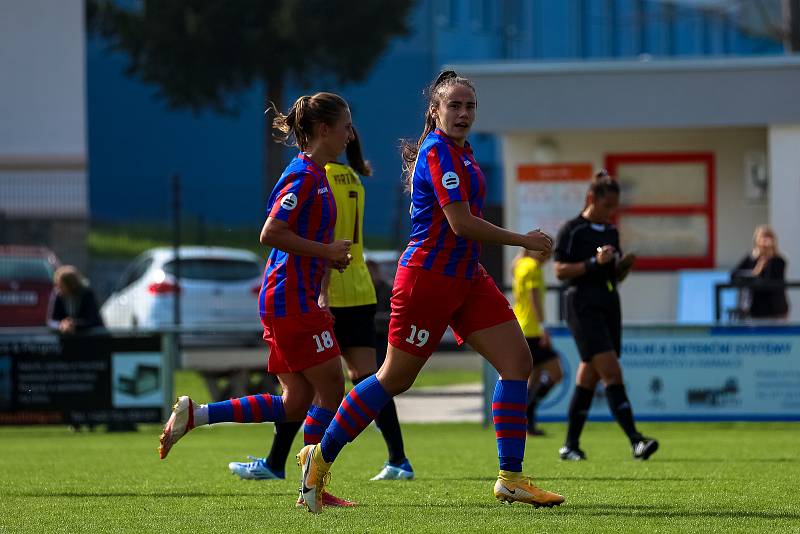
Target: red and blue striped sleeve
[449, 184]
[289, 202]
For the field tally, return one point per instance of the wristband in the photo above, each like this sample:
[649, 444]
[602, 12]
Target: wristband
[591, 264]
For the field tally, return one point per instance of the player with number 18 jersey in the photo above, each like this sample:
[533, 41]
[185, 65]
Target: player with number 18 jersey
[299, 333]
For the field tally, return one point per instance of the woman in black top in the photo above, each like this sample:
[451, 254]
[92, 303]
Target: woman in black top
[764, 263]
[588, 259]
[73, 307]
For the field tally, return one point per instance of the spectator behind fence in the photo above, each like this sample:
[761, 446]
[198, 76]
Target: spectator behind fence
[763, 263]
[73, 307]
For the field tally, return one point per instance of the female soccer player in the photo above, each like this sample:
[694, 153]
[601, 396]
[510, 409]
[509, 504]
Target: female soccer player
[587, 256]
[350, 296]
[529, 288]
[301, 213]
[439, 282]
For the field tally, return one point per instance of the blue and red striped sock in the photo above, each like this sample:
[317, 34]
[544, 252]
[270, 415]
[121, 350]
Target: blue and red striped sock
[252, 409]
[317, 421]
[357, 410]
[508, 412]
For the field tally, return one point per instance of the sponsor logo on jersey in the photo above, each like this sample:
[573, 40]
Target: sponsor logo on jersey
[322, 190]
[467, 162]
[450, 180]
[289, 201]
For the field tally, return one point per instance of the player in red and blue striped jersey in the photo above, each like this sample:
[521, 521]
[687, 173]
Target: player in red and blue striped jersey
[291, 281]
[437, 181]
[439, 282]
[301, 214]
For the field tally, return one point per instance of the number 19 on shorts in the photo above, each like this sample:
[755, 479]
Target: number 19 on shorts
[418, 337]
[323, 341]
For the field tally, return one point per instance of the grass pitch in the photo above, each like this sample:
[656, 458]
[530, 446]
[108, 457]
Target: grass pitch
[706, 477]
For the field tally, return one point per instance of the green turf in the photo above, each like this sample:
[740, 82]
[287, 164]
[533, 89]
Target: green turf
[706, 478]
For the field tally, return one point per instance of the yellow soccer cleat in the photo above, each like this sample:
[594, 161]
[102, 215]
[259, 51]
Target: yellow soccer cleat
[314, 477]
[515, 487]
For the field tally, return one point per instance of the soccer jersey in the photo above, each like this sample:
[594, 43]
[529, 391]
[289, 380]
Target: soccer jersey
[578, 241]
[353, 287]
[528, 276]
[444, 173]
[303, 199]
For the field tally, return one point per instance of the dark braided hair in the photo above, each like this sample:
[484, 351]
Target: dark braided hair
[408, 148]
[355, 158]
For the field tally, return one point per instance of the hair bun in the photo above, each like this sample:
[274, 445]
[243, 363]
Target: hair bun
[445, 75]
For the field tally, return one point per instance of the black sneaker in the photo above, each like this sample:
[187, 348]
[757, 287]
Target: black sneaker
[535, 431]
[644, 448]
[570, 453]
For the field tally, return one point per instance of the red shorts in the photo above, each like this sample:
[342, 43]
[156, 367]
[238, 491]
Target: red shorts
[297, 342]
[425, 303]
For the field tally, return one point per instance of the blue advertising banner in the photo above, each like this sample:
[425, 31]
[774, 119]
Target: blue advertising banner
[695, 374]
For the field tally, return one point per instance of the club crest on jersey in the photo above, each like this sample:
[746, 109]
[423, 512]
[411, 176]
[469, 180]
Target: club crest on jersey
[450, 180]
[289, 201]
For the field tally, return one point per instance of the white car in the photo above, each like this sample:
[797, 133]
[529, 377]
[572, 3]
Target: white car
[217, 287]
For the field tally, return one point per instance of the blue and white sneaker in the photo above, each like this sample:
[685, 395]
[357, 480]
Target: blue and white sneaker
[257, 469]
[404, 471]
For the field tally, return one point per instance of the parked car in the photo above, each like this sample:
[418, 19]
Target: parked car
[217, 287]
[26, 282]
[386, 260]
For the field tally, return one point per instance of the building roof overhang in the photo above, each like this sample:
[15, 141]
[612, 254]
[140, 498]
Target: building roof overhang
[684, 93]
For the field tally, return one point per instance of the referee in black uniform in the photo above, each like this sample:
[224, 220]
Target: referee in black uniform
[588, 259]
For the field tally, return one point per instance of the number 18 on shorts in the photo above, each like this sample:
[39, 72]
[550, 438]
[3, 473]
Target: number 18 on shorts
[297, 342]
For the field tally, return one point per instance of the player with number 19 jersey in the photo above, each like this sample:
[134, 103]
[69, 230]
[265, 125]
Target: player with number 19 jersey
[299, 333]
[439, 279]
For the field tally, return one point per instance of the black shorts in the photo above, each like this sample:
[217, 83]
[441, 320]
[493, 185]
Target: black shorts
[540, 354]
[596, 324]
[354, 326]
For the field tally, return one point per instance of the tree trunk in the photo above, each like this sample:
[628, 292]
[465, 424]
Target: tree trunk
[791, 19]
[273, 152]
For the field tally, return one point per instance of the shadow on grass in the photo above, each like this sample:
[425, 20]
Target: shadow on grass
[617, 510]
[668, 511]
[595, 479]
[160, 495]
[729, 460]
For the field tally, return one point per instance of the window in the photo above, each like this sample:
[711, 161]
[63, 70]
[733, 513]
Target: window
[134, 272]
[666, 214]
[28, 269]
[218, 270]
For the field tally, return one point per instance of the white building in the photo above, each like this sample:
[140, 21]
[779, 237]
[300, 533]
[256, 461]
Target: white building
[705, 151]
[43, 160]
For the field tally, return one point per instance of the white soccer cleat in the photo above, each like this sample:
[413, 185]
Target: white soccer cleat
[404, 471]
[180, 422]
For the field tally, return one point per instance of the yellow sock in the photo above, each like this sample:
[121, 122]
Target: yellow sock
[510, 476]
[317, 457]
